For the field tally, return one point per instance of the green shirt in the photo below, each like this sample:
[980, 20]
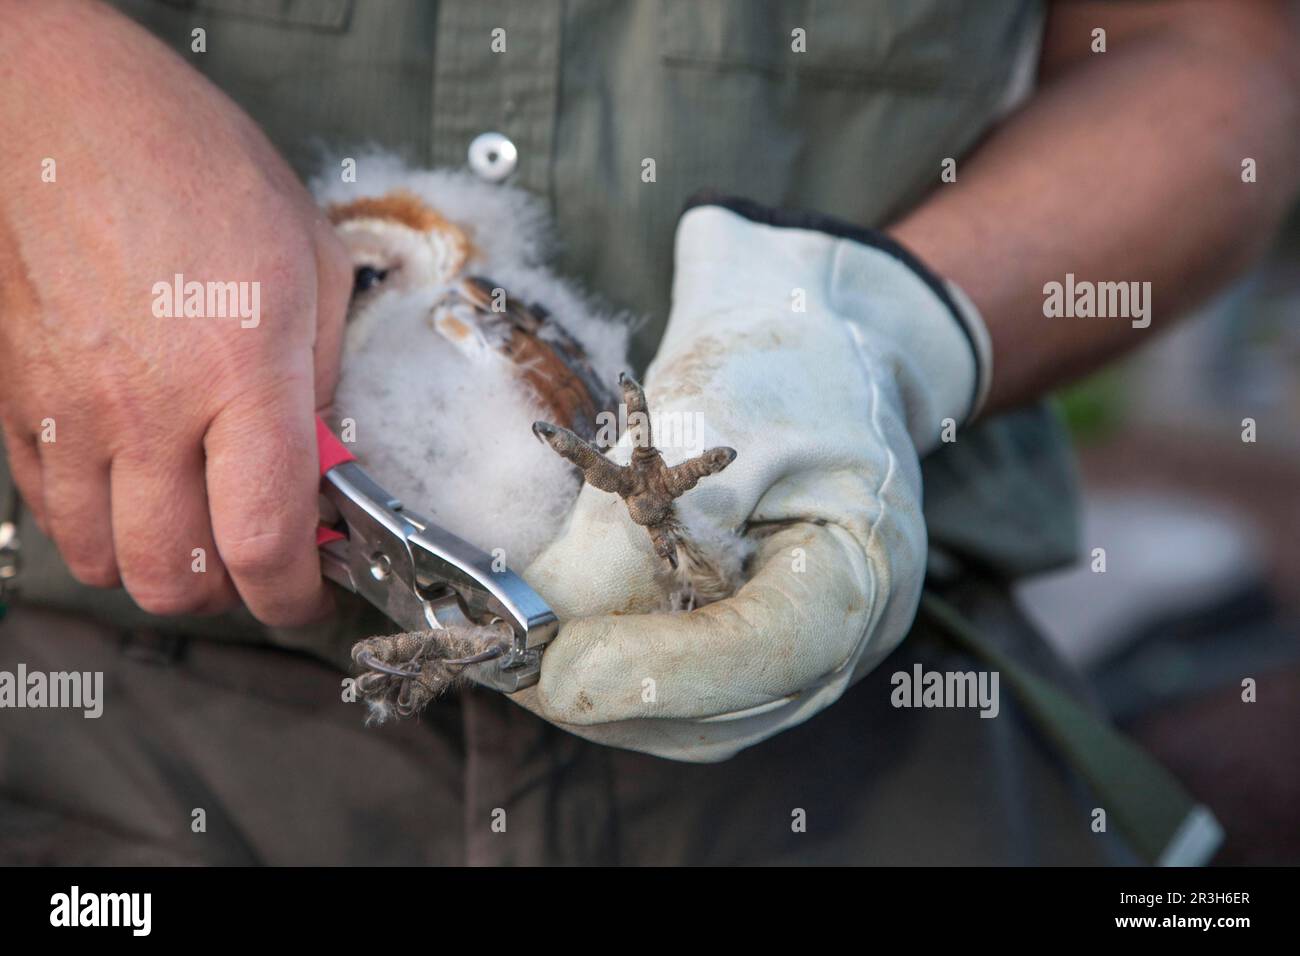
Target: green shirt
[619, 110]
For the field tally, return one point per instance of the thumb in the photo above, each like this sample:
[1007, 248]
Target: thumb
[602, 563]
[788, 628]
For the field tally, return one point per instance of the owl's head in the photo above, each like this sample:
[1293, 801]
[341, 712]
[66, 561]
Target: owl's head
[398, 242]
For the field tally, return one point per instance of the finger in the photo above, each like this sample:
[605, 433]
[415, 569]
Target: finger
[78, 515]
[25, 469]
[162, 533]
[333, 291]
[800, 618]
[601, 564]
[262, 486]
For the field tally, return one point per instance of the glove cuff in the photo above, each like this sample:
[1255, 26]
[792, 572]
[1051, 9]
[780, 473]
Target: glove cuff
[879, 287]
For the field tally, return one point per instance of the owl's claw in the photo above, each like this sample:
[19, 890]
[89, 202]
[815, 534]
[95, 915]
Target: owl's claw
[647, 486]
[403, 673]
[368, 661]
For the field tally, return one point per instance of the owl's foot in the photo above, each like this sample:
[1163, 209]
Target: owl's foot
[647, 486]
[402, 673]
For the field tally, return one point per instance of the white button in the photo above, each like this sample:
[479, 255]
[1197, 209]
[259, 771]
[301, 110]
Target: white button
[493, 156]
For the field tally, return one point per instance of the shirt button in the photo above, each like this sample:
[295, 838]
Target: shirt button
[492, 156]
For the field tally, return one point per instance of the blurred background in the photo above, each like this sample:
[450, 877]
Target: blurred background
[1202, 538]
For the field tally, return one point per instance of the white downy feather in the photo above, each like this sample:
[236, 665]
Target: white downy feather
[449, 434]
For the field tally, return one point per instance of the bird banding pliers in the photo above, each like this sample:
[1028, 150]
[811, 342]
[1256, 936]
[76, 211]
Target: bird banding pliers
[424, 578]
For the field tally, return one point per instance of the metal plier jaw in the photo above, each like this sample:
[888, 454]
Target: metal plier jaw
[421, 576]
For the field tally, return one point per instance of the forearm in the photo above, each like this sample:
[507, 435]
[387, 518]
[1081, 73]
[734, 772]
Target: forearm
[1126, 166]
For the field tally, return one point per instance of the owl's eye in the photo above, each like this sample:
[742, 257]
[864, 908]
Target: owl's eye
[366, 278]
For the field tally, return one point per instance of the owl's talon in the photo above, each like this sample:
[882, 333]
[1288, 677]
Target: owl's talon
[403, 673]
[647, 486]
[368, 661]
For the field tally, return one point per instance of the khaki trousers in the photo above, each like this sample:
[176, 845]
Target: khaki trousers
[259, 739]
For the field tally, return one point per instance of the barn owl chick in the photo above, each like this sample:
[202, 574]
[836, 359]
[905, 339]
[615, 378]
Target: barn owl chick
[460, 347]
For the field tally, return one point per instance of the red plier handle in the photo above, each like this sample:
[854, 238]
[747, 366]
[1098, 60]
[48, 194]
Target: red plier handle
[331, 453]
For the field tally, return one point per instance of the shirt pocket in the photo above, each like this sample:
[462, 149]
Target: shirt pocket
[907, 43]
[329, 16]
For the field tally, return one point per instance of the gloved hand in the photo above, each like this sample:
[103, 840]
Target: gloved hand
[829, 358]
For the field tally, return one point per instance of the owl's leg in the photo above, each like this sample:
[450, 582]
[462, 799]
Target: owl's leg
[647, 486]
[402, 673]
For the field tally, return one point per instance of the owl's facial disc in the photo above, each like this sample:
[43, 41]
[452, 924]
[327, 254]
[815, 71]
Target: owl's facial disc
[397, 242]
[388, 256]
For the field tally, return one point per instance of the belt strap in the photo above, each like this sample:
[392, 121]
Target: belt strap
[1161, 820]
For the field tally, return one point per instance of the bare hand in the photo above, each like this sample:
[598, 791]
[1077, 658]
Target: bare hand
[171, 453]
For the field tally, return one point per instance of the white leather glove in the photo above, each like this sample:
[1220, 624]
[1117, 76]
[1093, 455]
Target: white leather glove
[829, 358]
